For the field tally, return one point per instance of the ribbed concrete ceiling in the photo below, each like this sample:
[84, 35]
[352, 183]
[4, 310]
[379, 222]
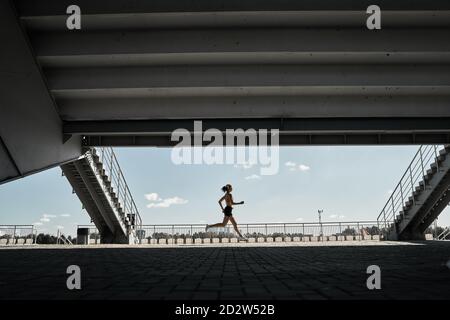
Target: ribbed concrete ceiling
[139, 69]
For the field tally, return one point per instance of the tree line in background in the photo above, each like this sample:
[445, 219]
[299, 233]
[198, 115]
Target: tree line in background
[51, 239]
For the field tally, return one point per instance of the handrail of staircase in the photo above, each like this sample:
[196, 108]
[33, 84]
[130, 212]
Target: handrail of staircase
[444, 234]
[120, 186]
[417, 169]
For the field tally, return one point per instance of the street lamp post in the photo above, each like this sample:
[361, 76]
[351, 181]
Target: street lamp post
[320, 223]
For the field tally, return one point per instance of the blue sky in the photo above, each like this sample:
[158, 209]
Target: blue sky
[348, 183]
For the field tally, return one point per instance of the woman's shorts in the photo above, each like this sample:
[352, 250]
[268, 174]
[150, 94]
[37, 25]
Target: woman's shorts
[228, 211]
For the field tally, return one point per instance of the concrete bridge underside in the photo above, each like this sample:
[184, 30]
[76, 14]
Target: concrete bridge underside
[138, 70]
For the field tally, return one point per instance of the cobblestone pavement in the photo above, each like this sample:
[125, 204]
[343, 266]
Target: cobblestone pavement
[415, 271]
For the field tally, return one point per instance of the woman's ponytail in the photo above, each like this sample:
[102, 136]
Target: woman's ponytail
[225, 188]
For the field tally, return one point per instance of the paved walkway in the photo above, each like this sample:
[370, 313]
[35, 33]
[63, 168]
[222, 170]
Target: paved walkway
[408, 271]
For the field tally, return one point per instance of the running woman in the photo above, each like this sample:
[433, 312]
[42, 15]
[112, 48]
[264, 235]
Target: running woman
[227, 211]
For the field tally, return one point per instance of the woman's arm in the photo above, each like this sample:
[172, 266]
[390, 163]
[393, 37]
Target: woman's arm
[220, 202]
[235, 203]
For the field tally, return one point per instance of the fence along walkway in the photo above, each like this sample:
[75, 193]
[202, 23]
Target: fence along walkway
[17, 234]
[261, 232]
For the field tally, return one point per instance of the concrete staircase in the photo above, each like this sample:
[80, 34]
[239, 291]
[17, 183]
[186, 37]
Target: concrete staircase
[422, 194]
[99, 183]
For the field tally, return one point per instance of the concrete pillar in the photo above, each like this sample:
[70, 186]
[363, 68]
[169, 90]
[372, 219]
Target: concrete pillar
[83, 236]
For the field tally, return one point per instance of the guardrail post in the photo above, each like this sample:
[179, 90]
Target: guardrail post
[412, 185]
[436, 156]
[14, 234]
[403, 200]
[393, 208]
[421, 161]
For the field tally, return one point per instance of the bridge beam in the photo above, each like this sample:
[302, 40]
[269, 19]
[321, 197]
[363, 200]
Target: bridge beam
[30, 126]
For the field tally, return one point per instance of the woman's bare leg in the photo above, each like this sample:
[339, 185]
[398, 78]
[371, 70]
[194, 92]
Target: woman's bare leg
[219, 225]
[235, 226]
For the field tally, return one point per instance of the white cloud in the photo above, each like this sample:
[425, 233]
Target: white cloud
[303, 167]
[47, 217]
[290, 164]
[253, 177]
[299, 219]
[294, 167]
[165, 203]
[245, 165]
[59, 227]
[152, 197]
[336, 216]
[38, 224]
[65, 215]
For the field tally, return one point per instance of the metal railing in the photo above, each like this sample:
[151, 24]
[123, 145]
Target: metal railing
[444, 234]
[416, 171]
[62, 239]
[112, 169]
[255, 230]
[17, 234]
